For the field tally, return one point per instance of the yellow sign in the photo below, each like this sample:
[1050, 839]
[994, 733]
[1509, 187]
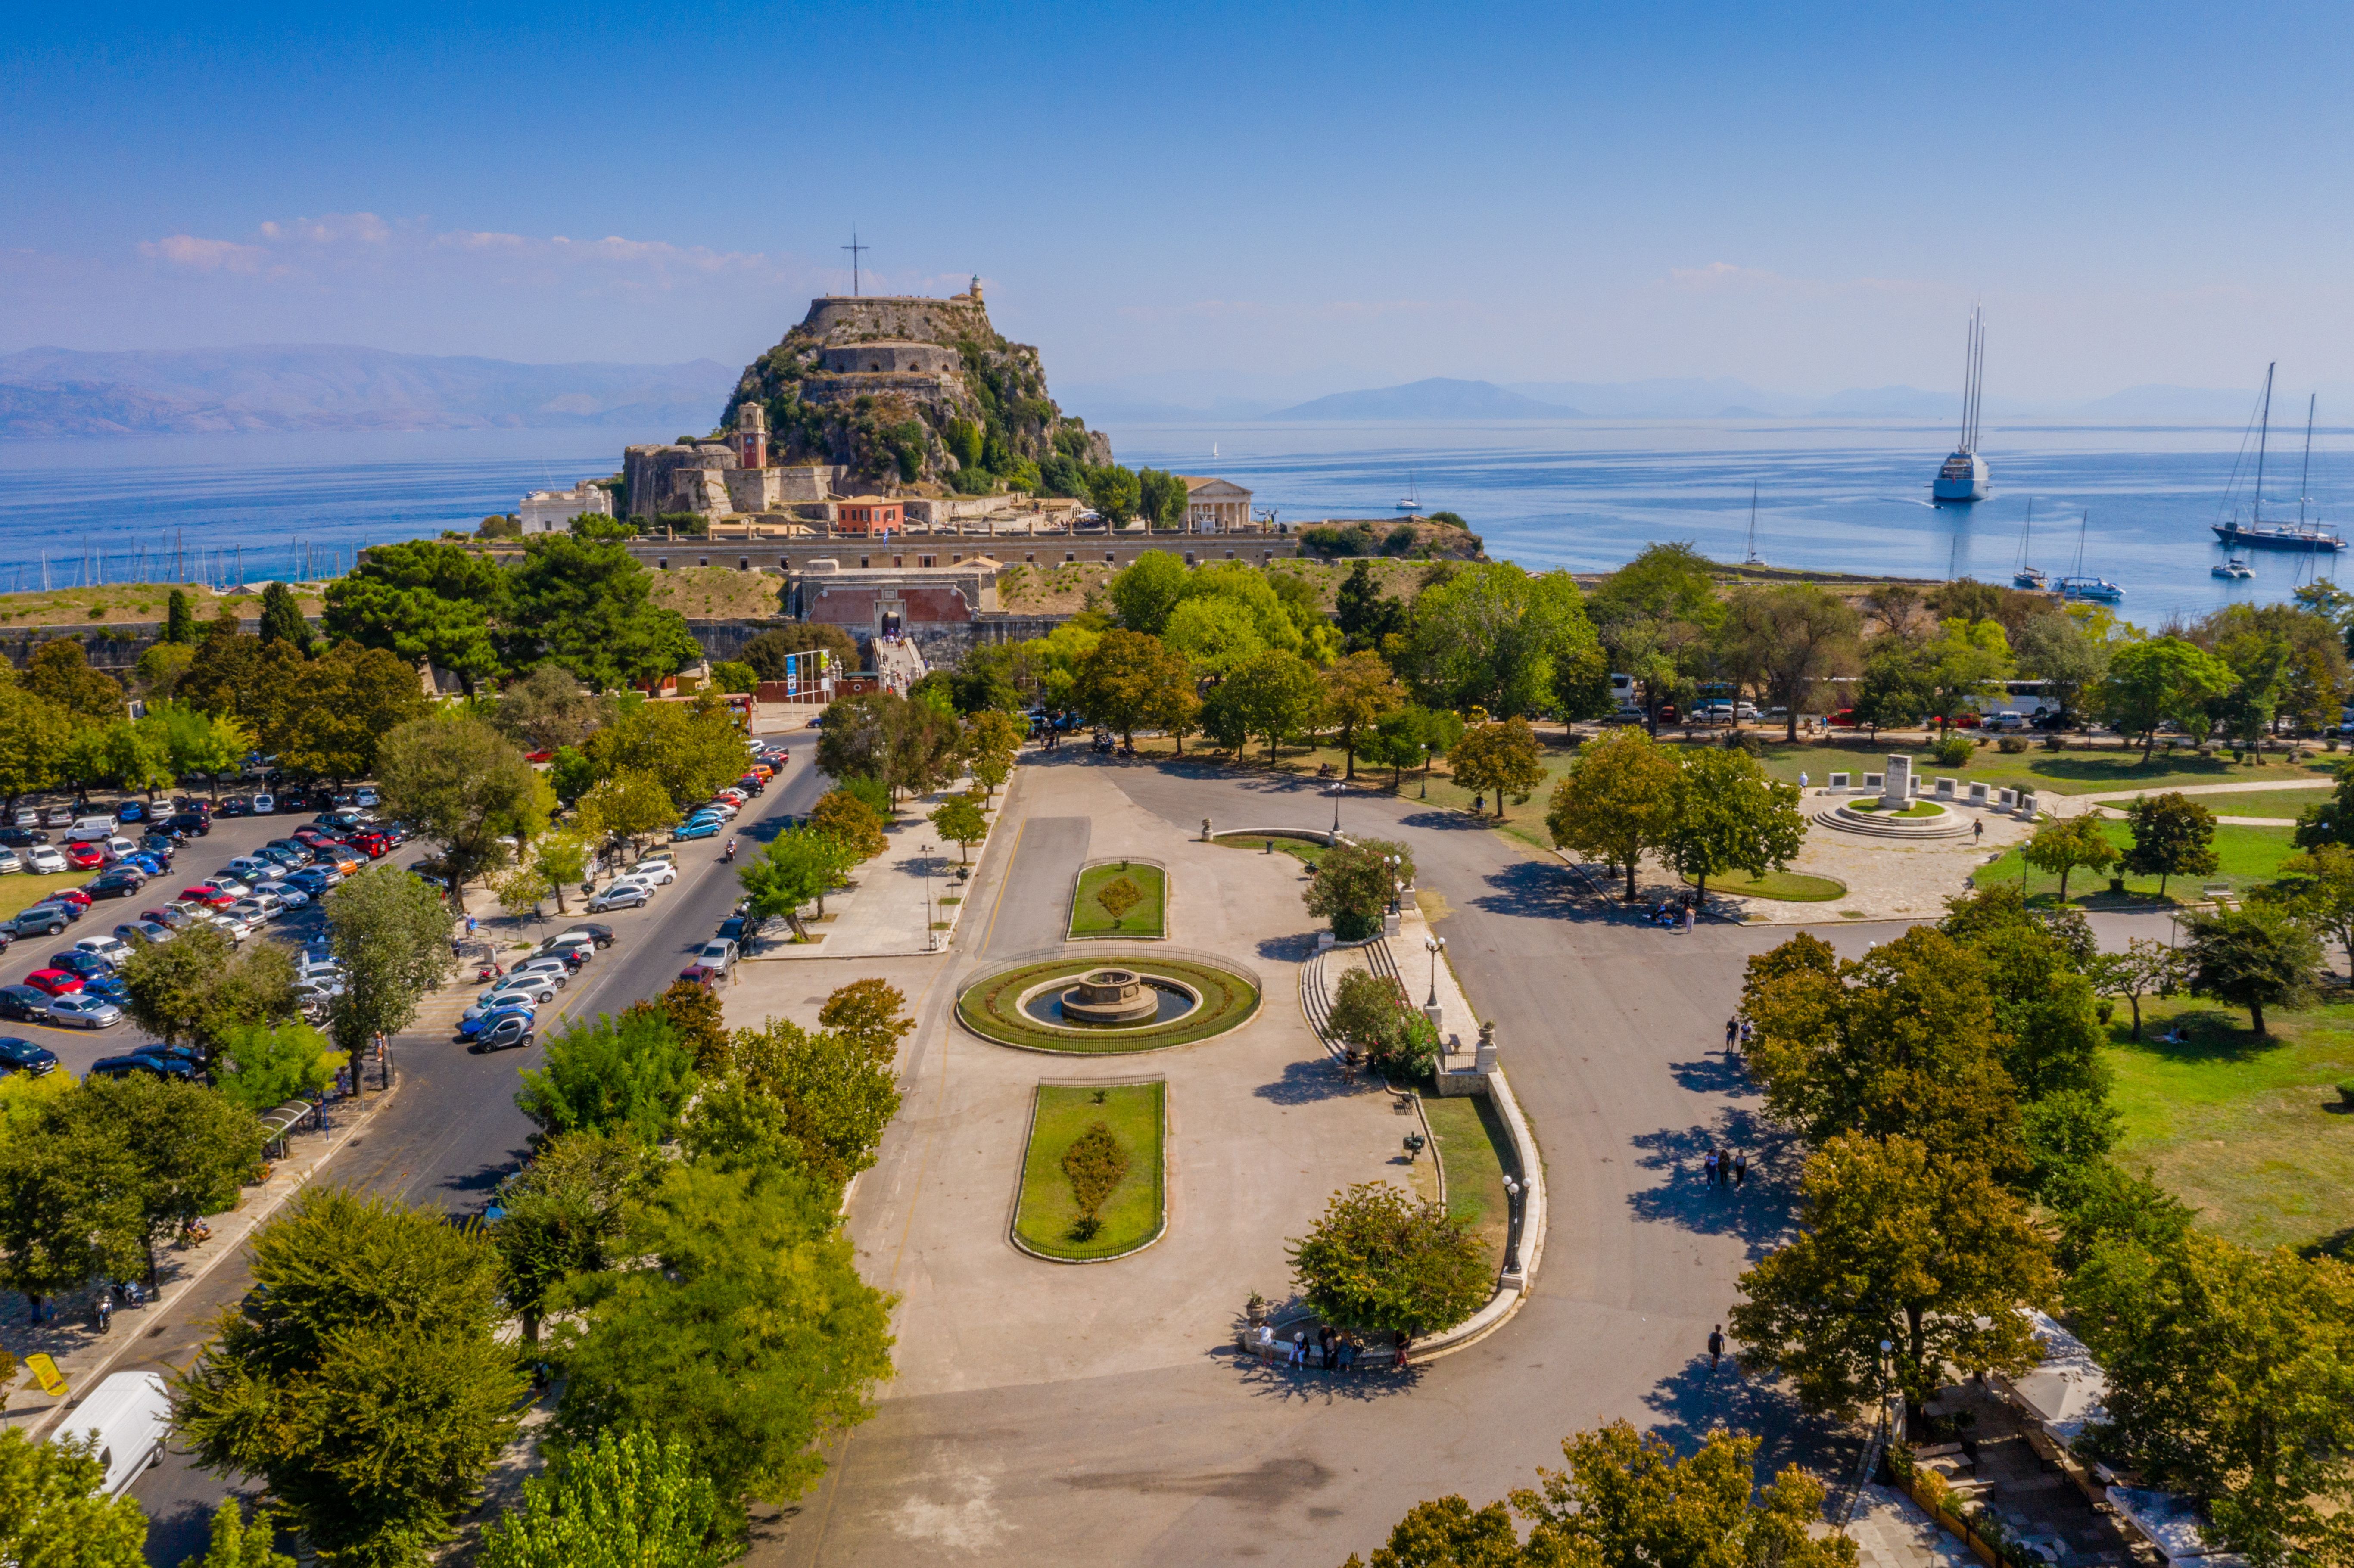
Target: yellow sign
[53, 1384]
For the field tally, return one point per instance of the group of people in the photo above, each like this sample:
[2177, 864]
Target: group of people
[1725, 1169]
[1738, 1032]
[1332, 1349]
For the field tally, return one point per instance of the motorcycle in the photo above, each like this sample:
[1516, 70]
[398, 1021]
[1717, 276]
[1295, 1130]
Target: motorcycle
[490, 970]
[729, 855]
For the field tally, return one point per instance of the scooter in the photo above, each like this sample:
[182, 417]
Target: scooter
[729, 857]
[490, 970]
[1668, 914]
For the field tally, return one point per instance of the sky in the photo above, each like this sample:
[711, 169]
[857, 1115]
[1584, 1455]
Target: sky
[1259, 200]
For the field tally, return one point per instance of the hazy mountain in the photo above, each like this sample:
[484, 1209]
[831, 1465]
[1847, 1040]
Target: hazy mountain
[55, 392]
[1437, 398]
[1892, 403]
[1687, 397]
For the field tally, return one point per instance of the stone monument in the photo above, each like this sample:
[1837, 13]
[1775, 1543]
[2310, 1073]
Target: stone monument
[1896, 792]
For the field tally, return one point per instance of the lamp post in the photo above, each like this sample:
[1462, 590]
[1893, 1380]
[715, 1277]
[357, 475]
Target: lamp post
[1513, 1194]
[1397, 888]
[1336, 812]
[1433, 944]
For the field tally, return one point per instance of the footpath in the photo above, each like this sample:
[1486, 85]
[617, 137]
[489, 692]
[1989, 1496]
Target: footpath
[904, 903]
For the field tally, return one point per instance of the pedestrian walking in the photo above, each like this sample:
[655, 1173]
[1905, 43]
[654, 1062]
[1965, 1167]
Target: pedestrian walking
[1748, 1032]
[1715, 1346]
[1732, 1032]
[1740, 1167]
[1708, 1164]
[470, 926]
[1802, 778]
[1688, 920]
[1977, 829]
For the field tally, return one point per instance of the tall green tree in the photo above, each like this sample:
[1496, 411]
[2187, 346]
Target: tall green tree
[1146, 591]
[1895, 691]
[549, 709]
[1366, 617]
[179, 626]
[197, 989]
[837, 1095]
[190, 1149]
[1625, 1500]
[1354, 883]
[739, 1329]
[1617, 803]
[1494, 637]
[466, 787]
[626, 1075]
[1358, 691]
[281, 618]
[1273, 694]
[800, 866]
[425, 600]
[693, 749]
[562, 1216]
[2065, 844]
[2255, 956]
[1497, 759]
[1788, 641]
[960, 820]
[70, 1208]
[2318, 887]
[58, 673]
[2173, 836]
[1928, 1254]
[261, 1067]
[392, 933]
[1727, 815]
[1657, 616]
[2231, 1377]
[589, 608]
[1378, 1261]
[32, 737]
[627, 1500]
[1131, 681]
[365, 1388]
[240, 1542]
[2158, 679]
[52, 1515]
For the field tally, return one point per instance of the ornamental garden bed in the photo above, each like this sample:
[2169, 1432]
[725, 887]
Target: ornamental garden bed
[991, 1006]
[1794, 886]
[1047, 1219]
[1144, 917]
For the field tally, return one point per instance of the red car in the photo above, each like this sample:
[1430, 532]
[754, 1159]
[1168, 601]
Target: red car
[84, 857]
[697, 974]
[539, 756]
[375, 845]
[54, 982]
[210, 897]
[73, 896]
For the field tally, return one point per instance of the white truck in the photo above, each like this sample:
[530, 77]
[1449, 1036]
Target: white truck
[128, 1417]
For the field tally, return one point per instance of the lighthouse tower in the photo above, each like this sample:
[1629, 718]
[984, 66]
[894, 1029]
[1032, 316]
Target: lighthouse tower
[751, 435]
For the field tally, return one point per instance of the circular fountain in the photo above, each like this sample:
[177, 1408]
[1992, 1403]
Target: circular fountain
[1110, 996]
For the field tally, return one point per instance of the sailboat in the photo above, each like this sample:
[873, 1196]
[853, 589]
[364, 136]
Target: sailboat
[1753, 560]
[1964, 476]
[1412, 500]
[2099, 590]
[2027, 576]
[2255, 534]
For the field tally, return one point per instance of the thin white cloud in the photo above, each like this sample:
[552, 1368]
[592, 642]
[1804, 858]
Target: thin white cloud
[199, 255]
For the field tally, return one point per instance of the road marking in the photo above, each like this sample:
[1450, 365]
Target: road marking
[1004, 880]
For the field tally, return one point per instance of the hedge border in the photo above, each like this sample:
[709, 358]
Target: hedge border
[1229, 1001]
[1161, 1173]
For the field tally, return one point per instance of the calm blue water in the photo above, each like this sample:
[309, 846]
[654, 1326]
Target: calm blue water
[1850, 496]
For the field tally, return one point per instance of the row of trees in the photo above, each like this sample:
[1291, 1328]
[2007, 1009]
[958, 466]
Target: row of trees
[674, 1250]
[1705, 812]
[1949, 1087]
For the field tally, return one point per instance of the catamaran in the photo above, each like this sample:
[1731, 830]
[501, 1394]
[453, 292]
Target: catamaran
[1964, 476]
[2100, 590]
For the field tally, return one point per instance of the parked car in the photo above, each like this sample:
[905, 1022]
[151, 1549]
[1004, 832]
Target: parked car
[367, 798]
[702, 828]
[655, 870]
[59, 817]
[719, 953]
[468, 1028]
[286, 892]
[206, 897]
[601, 934]
[514, 1029]
[82, 966]
[553, 966]
[520, 991]
[131, 812]
[123, 1067]
[22, 838]
[84, 1013]
[313, 880]
[121, 882]
[163, 846]
[264, 804]
[143, 932]
[113, 949]
[76, 902]
[236, 805]
[47, 860]
[195, 824]
[10, 860]
[147, 862]
[84, 856]
[23, 1004]
[54, 982]
[40, 920]
[171, 917]
[24, 1056]
[620, 896]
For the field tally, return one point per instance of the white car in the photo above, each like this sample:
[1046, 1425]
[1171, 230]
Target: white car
[286, 892]
[316, 993]
[725, 807]
[653, 873]
[113, 949]
[252, 869]
[253, 911]
[365, 796]
[78, 1011]
[228, 884]
[45, 860]
[264, 805]
[531, 990]
[10, 860]
[718, 954]
[26, 817]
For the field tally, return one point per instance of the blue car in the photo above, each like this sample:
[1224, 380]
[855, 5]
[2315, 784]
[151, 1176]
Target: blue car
[470, 1027]
[24, 1056]
[706, 829]
[123, 1067]
[79, 961]
[108, 988]
[131, 812]
[144, 861]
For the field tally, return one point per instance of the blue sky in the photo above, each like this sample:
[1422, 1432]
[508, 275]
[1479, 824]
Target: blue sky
[1259, 196]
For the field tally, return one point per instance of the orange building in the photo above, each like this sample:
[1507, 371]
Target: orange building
[869, 514]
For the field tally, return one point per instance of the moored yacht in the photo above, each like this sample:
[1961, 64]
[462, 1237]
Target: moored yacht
[1963, 478]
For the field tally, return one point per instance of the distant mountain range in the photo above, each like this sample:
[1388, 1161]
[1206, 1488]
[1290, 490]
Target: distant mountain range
[48, 393]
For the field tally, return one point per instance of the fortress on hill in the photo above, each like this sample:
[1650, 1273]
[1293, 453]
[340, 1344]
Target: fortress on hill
[892, 397]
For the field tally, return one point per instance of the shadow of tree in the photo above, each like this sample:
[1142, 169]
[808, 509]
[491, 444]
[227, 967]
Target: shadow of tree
[1309, 1083]
[1695, 1400]
[1307, 1384]
[2215, 1035]
[1761, 1213]
[1296, 949]
[1535, 889]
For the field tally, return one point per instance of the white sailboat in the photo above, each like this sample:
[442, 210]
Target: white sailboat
[1412, 500]
[2097, 589]
[1963, 478]
[2029, 577]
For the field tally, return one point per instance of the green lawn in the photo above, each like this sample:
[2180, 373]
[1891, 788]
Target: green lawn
[1917, 809]
[1146, 918]
[1796, 887]
[2288, 803]
[1132, 1215]
[22, 890]
[1477, 1151]
[1298, 849]
[2248, 856]
[2241, 1128]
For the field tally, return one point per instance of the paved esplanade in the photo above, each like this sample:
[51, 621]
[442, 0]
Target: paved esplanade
[1612, 1030]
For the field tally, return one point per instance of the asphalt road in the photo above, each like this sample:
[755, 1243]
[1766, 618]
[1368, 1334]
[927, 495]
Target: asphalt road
[452, 1131]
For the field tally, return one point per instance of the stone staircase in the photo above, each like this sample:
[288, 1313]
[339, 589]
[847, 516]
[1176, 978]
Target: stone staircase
[1316, 981]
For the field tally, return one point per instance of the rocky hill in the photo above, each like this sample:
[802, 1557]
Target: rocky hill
[913, 394]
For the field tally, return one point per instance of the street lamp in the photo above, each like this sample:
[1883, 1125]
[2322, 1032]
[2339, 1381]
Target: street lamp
[1336, 812]
[1513, 1193]
[1397, 888]
[1433, 944]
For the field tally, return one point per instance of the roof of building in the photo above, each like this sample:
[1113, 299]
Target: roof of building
[1194, 481]
[871, 501]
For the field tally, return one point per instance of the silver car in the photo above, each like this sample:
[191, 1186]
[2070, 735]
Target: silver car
[78, 1011]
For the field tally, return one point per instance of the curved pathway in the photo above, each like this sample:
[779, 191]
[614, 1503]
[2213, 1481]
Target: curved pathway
[1612, 1030]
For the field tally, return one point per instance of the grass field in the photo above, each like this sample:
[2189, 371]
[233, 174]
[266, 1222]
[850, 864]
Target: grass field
[2073, 772]
[1796, 887]
[2286, 804]
[1477, 1152]
[1147, 918]
[2247, 857]
[1917, 809]
[22, 890]
[990, 1008]
[1132, 1214]
[1300, 849]
[2246, 1129]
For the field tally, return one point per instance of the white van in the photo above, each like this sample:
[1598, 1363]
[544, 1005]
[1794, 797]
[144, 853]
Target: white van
[90, 830]
[129, 1416]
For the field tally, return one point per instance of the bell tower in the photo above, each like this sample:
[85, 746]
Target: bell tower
[751, 435]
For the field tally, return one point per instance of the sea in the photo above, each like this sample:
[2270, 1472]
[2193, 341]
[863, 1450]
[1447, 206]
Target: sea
[2134, 505]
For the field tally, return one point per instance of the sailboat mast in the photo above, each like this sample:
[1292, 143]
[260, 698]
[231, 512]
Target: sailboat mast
[2263, 429]
[2305, 472]
[1977, 376]
[1970, 375]
[1753, 522]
